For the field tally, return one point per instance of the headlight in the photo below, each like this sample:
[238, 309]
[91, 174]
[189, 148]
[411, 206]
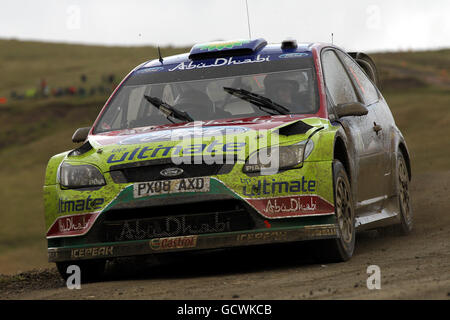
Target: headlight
[270, 160]
[78, 176]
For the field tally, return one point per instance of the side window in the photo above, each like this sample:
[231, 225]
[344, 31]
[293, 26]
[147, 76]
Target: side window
[337, 80]
[366, 87]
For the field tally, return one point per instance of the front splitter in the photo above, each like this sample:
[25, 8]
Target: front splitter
[192, 242]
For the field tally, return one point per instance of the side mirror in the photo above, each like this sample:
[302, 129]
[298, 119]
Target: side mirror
[81, 134]
[351, 109]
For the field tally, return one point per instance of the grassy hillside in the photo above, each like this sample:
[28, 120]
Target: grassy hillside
[409, 70]
[24, 64]
[31, 131]
[416, 86]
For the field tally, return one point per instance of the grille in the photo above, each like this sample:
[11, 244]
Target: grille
[176, 220]
[150, 171]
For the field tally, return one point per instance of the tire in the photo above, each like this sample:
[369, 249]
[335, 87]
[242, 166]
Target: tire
[91, 270]
[342, 248]
[404, 201]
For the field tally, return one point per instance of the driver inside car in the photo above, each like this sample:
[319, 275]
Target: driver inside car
[286, 93]
[198, 105]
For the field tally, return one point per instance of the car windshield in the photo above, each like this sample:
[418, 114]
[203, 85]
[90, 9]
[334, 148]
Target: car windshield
[205, 94]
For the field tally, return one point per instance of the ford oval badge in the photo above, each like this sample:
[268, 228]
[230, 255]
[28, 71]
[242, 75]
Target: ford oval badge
[171, 172]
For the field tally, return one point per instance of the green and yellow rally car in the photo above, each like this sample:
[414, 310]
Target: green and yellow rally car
[235, 143]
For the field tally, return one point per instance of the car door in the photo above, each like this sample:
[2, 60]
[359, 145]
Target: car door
[382, 124]
[366, 142]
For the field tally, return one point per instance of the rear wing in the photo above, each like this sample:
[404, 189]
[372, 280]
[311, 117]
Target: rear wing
[368, 65]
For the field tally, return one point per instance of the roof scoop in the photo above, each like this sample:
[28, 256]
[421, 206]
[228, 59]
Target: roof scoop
[221, 49]
[289, 44]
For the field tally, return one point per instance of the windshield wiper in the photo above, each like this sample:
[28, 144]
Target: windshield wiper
[168, 110]
[258, 100]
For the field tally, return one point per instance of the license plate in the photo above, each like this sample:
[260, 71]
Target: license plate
[144, 189]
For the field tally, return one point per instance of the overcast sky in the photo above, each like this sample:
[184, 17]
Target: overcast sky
[370, 25]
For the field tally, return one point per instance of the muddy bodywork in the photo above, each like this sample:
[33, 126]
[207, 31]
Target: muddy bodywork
[142, 209]
[262, 202]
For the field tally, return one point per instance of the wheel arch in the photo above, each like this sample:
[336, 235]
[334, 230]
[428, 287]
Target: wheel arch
[340, 153]
[404, 150]
[344, 151]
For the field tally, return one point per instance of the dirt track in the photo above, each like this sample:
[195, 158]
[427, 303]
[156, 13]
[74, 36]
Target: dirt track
[412, 267]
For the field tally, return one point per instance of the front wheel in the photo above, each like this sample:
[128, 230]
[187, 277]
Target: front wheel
[404, 201]
[340, 249]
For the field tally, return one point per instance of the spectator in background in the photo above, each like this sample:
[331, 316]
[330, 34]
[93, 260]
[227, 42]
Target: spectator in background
[71, 90]
[43, 88]
[81, 92]
[31, 93]
[83, 78]
[101, 89]
[58, 92]
[112, 82]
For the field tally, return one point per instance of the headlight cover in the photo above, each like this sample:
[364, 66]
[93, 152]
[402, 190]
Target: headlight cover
[271, 160]
[79, 176]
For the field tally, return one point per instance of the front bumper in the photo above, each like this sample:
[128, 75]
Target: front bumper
[255, 210]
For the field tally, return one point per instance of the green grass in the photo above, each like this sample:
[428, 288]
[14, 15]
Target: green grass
[435, 61]
[423, 116]
[400, 70]
[31, 131]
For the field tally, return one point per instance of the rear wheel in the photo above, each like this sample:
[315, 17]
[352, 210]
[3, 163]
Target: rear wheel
[340, 249]
[90, 270]
[404, 201]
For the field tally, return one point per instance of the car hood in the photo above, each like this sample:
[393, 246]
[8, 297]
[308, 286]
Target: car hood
[239, 137]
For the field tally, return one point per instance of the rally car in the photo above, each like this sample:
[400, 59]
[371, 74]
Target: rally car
[235, 143]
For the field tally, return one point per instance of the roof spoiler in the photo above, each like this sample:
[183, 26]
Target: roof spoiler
[368, 65]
